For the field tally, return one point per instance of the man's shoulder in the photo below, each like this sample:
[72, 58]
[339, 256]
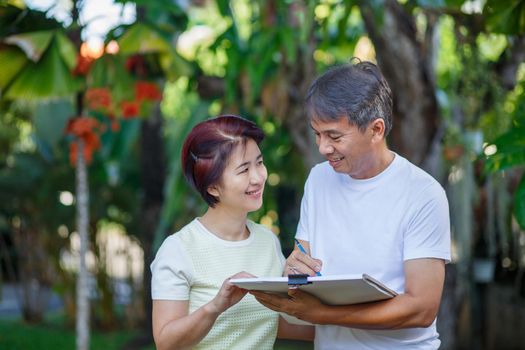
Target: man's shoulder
[321, 170]
[421, 183]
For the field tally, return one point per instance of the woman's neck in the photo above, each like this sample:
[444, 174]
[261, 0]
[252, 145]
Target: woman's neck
[225, 225]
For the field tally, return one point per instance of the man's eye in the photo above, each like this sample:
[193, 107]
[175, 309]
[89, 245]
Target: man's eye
[335, 138]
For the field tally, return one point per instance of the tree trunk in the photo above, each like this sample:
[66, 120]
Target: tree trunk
[33, 272]
[82, 326]
[300, 75]
[407, 66]
[153, 176]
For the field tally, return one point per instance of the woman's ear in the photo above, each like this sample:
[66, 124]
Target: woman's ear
[214, 191]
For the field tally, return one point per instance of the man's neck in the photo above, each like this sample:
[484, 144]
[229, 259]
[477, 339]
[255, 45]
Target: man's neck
[378, 162]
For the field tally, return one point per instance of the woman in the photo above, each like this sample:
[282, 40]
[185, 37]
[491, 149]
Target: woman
[194, 305]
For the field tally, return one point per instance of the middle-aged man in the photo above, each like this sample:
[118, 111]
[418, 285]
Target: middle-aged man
[367, 210]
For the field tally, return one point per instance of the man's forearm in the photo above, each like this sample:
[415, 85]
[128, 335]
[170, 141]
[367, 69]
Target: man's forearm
[403, 311]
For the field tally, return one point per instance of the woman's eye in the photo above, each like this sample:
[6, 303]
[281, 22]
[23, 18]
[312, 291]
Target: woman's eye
[260, 162]
[243, 171]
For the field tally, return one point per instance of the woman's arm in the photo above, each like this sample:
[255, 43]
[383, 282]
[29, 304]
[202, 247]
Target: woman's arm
[292, 331]
[174, 328]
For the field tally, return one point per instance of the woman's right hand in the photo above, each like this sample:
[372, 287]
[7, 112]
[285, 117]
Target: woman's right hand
[229, 294]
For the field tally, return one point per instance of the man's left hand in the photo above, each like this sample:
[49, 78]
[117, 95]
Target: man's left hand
[297, 303]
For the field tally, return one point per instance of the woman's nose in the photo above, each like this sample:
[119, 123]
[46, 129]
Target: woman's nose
[258, 175]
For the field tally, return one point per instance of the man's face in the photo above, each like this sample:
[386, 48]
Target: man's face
[348, 150]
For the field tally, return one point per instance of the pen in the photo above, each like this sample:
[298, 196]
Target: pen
[301, 248]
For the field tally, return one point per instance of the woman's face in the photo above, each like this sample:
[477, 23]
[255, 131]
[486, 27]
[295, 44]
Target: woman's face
[242, 183]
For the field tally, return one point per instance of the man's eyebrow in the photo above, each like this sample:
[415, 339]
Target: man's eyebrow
[329, 131]
[246, 163]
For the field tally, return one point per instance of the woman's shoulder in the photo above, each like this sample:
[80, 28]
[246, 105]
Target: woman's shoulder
[258, 227]
[260, 230]
[186, 233]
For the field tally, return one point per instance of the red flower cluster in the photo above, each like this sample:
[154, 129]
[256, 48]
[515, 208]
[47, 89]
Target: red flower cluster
[130, 109]
[83, 65]
[145, 90]
[84, 128]
[98, 99]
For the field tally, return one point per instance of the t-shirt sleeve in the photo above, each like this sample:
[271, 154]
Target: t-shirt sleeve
[171, 272]
[302, 228]
[428, 233]
[279, 251]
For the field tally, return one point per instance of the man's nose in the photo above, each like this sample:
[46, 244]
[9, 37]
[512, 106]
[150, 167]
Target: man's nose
[325, 147]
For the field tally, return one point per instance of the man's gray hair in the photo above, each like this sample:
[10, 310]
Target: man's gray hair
[356, 91]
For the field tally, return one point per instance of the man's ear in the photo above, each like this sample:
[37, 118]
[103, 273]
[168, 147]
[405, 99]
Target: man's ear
[378, 129]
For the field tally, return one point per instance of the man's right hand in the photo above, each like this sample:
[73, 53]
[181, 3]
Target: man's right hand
[299, 262]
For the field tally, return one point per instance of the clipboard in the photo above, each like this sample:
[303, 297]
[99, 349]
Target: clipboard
[331, 290]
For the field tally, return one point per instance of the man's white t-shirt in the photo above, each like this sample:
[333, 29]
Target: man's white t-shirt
[372, 226]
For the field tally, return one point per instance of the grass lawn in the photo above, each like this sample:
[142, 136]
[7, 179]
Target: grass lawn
[16, 335]
[292, 345]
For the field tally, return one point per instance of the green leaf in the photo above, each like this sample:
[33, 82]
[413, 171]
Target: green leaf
[507, 16]
[140, 38]
[451, 4]
[342, 24]
[110, 71]
[125, 139]
[50, 120]
[67, 50]
[174, 65]
[511, 141]
[510, 150]
[289, 42]
[502, 161]
[519, 203]
[50, 77]
[224, 8]
[34, 44]
[23, 176]
[12, 60]
[16, 20]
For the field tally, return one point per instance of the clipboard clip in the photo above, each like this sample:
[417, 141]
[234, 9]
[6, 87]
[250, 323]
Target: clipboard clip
[298, 279]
